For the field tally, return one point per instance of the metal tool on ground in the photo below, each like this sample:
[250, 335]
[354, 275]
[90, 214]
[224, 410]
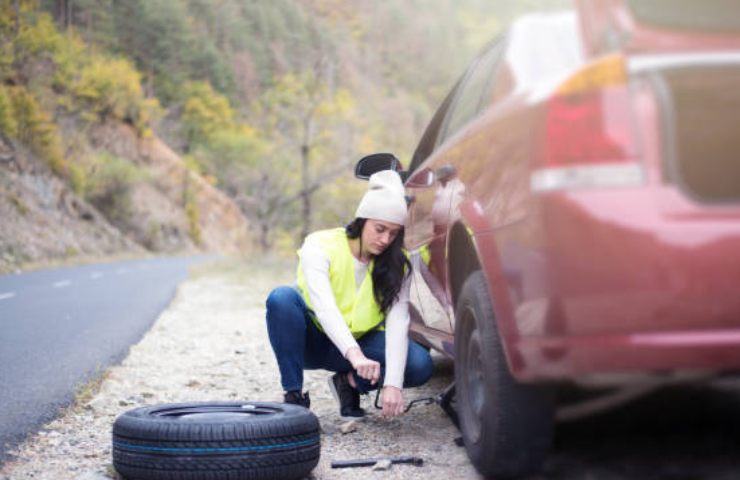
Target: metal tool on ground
[369, 462]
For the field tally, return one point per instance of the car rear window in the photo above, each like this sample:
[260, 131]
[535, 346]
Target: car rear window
[720, 16]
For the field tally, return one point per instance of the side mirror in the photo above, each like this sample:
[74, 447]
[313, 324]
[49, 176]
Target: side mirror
[377, 162]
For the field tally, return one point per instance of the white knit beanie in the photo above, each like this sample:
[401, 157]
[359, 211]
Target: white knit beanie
[384, 199]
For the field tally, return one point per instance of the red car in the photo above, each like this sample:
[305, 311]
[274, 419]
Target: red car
[575, 214]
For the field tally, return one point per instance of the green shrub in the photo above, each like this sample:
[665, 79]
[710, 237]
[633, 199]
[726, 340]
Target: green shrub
[35, 128]
[205, 112]
[98, 86]
[69, 59]
[149, 112]
[8, 124]
[192, 164]
[108, 184]
[152, 237]
[38, 36]
[7, 30]
[110, 87]
[18, 203]
[230, 158]
[77, 178]
[191, 211]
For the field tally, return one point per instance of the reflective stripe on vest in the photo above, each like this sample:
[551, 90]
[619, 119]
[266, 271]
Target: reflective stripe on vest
[357, 306]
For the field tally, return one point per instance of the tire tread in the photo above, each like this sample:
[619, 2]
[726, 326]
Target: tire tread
[142, 427]
[517, 430]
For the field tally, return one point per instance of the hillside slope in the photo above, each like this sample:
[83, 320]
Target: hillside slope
[43, 220]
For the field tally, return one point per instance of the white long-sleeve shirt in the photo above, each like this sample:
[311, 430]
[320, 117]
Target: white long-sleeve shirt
[315, 265]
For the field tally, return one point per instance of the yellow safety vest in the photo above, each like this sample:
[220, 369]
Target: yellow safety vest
[357, 306]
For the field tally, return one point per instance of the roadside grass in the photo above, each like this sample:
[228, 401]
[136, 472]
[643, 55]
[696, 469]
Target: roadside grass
[18, 203]
[74, 258]
[246, 269]
[86, 390]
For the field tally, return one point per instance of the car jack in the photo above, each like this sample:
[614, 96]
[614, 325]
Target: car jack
[443, 399]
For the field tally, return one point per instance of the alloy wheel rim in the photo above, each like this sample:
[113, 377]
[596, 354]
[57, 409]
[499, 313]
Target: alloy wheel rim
[474, 383]
[234, 412]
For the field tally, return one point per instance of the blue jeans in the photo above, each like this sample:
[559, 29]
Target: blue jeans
[298, 344]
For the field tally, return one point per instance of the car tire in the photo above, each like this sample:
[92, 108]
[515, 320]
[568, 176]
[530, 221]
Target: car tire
[506, 426]
[216, 440]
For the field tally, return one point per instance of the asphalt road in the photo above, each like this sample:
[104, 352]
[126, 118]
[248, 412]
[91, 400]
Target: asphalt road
[61, 327]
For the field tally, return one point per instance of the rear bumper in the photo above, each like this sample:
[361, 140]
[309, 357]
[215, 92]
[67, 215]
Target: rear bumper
[649, 353]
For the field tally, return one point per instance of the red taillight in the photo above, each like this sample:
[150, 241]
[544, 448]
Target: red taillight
[591, 127]
[590, 137]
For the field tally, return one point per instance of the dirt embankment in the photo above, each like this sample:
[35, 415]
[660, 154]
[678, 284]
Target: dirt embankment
[174, 210]
[42, 220]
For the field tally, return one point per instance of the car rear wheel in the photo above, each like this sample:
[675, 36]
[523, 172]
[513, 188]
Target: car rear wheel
[506, 425]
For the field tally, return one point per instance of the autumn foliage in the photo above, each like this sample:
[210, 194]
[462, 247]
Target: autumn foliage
[272, 102]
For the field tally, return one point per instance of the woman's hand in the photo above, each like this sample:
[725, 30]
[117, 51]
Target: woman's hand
[365, 368]
[392, 401]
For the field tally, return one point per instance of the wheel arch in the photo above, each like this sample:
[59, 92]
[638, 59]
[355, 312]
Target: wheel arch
[462, 258]
[470, 249]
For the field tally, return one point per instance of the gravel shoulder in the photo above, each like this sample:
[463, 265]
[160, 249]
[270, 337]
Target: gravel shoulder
[211, 344]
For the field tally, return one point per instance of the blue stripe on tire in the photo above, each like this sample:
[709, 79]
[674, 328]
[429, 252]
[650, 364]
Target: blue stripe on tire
[152, 448]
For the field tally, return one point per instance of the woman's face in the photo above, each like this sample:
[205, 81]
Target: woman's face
[378, 234]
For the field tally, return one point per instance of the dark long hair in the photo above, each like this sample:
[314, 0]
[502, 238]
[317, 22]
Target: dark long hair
[390, 267]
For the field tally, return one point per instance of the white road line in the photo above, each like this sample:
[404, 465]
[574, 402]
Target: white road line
[63, 283]
[95, 275]
[6, 295]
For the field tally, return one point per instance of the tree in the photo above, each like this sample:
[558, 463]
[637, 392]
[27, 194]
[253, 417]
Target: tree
[246, 168]
[63, 13]
[300, 111]
[158, 34]
[205, 112]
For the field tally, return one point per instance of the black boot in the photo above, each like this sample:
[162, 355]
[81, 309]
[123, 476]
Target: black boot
[347, 397]
[295, 397]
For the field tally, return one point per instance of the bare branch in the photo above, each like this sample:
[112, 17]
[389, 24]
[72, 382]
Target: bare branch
[316, 185]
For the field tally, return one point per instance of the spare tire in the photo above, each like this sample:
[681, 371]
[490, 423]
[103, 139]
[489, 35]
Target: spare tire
[216, 440]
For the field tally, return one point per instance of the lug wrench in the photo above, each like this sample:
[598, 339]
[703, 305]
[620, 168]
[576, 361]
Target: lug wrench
[369, 462]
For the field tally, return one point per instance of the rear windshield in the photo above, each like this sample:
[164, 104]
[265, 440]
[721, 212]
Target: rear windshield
[720, 16]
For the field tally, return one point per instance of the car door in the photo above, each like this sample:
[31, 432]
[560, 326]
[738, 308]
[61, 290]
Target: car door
[434, 190]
